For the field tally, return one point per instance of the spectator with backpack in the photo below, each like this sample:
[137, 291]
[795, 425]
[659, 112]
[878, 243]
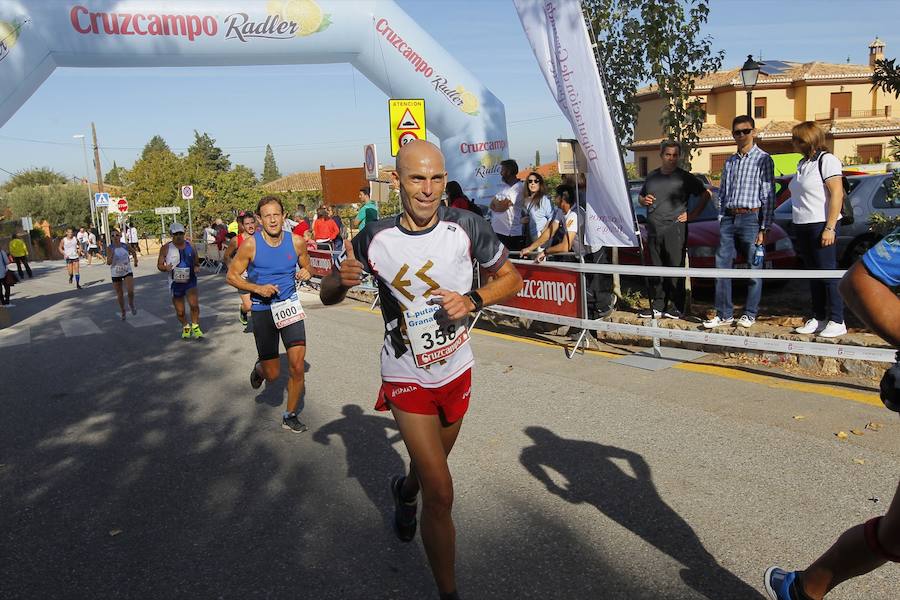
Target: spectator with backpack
[817, 193]
[456, 199]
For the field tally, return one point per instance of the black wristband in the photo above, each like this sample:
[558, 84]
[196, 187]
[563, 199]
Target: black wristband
[476, 299]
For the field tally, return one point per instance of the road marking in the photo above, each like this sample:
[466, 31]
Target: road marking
[15, 336]
[773, 381]
[870, 398]
[143, 319]
[78, 326]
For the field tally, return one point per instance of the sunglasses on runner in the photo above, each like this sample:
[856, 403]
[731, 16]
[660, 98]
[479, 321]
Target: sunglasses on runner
[740, 132]
[533, 180]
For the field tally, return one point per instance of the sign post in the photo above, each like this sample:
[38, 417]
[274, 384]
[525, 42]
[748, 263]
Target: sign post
[407, 121]
[187, 193]
[371, 162]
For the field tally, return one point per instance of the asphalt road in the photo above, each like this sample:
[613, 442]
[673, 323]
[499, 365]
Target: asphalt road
[137, 465]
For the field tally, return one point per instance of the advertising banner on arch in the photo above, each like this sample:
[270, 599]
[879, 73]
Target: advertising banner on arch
[559, 38]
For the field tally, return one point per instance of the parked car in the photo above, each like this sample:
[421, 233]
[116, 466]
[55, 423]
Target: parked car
[703, 239]
[868, 194]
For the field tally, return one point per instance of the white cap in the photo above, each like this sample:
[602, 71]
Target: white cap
[176, 228]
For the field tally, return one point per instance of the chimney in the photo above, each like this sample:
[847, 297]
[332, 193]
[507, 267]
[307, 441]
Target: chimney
[876, 51]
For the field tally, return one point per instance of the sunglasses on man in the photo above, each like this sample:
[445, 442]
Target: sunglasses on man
[741, 132]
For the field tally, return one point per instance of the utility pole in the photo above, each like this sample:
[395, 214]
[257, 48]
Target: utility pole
[100, 183]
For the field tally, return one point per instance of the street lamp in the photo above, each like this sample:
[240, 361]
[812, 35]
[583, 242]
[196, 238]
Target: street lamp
[749, 74]
[88, 180]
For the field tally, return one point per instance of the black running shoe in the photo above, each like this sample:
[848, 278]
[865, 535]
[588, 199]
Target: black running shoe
[404, 513]
[293, 424]
[243, 318]
[256, 379]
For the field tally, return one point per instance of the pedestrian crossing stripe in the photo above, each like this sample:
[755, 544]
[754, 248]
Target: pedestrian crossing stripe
[143, 319]
[15, 336]
[79, 326]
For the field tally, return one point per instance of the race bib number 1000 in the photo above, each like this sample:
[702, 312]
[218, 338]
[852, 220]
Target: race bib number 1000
[181, 274]
[287, 312]
[430, 341]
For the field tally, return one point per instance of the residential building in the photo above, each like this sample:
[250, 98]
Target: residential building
[859, 120]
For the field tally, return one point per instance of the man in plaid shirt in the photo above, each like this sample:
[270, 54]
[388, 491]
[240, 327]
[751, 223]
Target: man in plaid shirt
[746, 206]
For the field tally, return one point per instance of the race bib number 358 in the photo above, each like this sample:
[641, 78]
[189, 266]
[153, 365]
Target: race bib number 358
[430, 341]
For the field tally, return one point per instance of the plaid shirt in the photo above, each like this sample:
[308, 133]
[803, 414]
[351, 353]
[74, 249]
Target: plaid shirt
[748, 181]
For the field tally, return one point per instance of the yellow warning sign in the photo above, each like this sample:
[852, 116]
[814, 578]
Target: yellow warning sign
[407, 119]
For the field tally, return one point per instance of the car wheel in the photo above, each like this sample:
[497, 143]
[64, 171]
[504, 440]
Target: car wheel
[856, 251]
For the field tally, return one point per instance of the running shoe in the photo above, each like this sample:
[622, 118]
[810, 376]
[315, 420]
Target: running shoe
[746, 321]
[256, 379]
[186, 332]
[243, 318]
[780, 584]
[811, 326]
[195, 331]
[78, 285]
[293, 424]
[404, 512]
[833, 329]
[133, 311]
[672, 313]
[123, 316]
[650, 314]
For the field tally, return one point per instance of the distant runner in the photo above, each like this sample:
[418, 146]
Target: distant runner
[275, 260]
[70, 248]
[247, 225]
[179, 259]
[422, 262]
[119, 261]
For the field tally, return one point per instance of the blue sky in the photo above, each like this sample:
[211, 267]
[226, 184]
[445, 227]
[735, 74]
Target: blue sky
[323, 114]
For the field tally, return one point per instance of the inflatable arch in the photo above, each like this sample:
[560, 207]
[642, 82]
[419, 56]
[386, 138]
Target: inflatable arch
[375, 36]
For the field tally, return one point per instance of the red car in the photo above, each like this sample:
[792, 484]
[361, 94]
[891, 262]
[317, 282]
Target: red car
[703, 240]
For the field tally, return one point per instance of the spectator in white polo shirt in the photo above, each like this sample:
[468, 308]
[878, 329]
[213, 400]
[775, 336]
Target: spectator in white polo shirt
[506, 207]
[817, 194]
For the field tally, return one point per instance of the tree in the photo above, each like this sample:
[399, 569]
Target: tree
[270, 169]
[116, 175]
[234, 190]
[621, 48]
[154, 181]
[156, 144]
[61, 204]
[205, 151]
[33, 177]
[677, 55]
[659, 39]
[887, 78]
[537, 158]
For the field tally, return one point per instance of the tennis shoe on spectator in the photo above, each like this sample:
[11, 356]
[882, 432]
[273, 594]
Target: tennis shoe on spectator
[672, 313]
[833, 330]
[811, 326]
[746, 321]
[650, 314]
[717, 321]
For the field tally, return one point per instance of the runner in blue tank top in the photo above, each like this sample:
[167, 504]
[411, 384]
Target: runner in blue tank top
[271, 258]
[180, 261]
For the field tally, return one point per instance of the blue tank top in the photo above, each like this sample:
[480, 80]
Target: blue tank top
[185, 259]
[277, 266]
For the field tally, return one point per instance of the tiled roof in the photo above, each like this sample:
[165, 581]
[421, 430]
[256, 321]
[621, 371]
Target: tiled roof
[711, 132]
[295, 182]
[797, 72]
[545, 170]
[864, 125]
[777, 129]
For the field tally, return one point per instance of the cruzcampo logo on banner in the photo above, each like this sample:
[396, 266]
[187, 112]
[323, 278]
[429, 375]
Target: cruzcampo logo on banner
[407, 118]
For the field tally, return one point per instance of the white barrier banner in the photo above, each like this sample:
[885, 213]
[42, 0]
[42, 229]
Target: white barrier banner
[559, 38]
[746, 342]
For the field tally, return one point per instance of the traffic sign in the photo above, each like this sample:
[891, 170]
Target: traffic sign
[371, 162]
[101, 199]
[167, 210]
[187, 192]
[122, 205]
[407, 121]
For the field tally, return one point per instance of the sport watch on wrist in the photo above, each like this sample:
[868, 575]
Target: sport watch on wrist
[476, 299]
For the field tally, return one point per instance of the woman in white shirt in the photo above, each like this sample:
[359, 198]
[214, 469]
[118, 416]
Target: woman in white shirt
[118, 257]
[817, 195]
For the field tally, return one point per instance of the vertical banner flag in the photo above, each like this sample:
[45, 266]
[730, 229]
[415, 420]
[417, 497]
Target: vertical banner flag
[559, 38]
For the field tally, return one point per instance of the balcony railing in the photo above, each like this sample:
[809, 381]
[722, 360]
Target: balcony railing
[853, 114]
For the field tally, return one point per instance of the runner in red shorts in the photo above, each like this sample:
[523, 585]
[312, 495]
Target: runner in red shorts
[422, 263]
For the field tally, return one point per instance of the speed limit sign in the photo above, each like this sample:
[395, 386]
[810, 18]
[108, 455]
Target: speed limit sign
[187, 192]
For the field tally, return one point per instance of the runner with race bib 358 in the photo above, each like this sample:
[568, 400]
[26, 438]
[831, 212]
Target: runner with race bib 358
[271, 257]
[422, 262]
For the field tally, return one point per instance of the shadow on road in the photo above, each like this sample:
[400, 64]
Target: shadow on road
[371, 457]
[630, 500]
